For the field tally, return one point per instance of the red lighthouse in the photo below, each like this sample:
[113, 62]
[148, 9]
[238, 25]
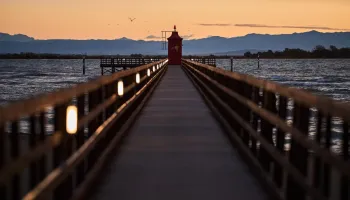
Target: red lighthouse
[174, 48]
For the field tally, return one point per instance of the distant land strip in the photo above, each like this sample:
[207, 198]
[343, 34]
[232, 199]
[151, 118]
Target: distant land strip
[318, 52]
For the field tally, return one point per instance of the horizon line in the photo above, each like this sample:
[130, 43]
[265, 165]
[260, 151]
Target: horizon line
[157, 40]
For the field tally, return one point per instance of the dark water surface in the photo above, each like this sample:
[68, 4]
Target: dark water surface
[20, 78]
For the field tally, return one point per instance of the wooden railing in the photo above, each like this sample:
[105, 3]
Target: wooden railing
[127, 61]
[287, 135]
[208, 60]
[39, 163]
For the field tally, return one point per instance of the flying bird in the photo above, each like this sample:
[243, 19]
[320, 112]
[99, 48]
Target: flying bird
[132, 19]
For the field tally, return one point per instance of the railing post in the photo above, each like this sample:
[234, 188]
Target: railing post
[80, 138]
[2, 158]
[58, 152]
[344, 190]
[68, 149]
[99, 146]
[42, 136]
[245, 111]
[32, 142]
[93, 102]
[109, 93]
[269, 103]
[326, 167]
[128, 80]
[15, 149]
[113, 68]
[234, 104]
[116, 104]
[317, 160]
[298, 155]
[280, 140]
[255, 118]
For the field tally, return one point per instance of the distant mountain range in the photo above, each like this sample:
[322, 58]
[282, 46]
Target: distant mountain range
[210, 45]
[15, 38]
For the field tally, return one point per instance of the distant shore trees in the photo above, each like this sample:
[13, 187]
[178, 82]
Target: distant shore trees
[318, 52]
[30, 55]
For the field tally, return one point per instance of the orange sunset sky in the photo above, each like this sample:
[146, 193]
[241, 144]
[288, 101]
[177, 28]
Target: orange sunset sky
[108, 19]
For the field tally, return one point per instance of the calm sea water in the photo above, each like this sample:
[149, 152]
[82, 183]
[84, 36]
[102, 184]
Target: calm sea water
[24, 78]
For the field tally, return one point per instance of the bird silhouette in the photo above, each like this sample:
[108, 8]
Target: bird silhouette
[132, 19]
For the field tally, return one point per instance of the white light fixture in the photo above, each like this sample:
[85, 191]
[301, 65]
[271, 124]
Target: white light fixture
[120, 88]
[137, 78]
[72, 119]
[154, 69]
[148, 72]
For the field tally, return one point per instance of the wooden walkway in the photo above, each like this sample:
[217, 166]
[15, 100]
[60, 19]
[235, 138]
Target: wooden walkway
[176, 150]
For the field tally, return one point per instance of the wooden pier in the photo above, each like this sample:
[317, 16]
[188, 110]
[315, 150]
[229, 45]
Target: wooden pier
[179, 150]
[205, 60]
[189, 131]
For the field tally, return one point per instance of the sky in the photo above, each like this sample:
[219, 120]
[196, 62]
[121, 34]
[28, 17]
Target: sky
[109, 19]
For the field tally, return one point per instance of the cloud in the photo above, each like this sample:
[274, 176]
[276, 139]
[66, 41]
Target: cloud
[276, 26]
[187, 36]
[218, 24]
[153, 37]
[299, 27]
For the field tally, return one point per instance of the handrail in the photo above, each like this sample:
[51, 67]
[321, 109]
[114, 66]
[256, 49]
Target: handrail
[100, 110]
[57, 176]
[41, 102]
[325, 155]
[325, 104]
[275, 153]
[238, 99]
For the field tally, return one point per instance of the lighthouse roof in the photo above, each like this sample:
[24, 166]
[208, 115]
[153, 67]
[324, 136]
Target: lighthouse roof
[174, 36]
